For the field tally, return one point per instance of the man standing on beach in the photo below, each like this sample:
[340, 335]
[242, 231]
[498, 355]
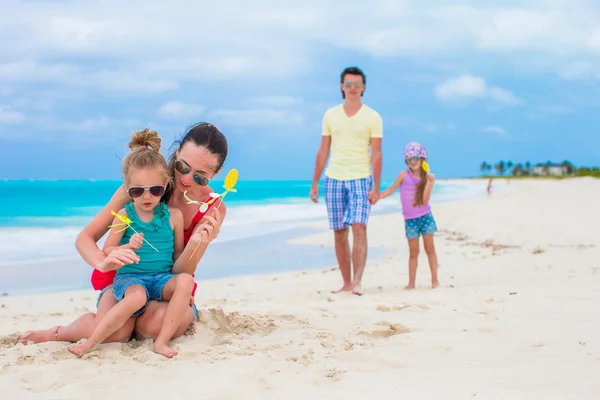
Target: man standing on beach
[352, 134]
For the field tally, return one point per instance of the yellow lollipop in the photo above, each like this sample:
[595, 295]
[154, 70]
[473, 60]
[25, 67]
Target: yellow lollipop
[425, 166]
[126, 222]
[229, 183]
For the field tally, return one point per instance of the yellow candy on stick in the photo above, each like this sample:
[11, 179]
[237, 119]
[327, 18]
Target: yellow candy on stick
[126, 222]
[229, 183]
[425, 166]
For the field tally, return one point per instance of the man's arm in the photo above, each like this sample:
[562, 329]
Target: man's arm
[376, 157]
[376, 161]
[322, 156]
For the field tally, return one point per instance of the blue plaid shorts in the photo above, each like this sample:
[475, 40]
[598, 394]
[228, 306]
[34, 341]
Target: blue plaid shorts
[416, 227]
[347, 201]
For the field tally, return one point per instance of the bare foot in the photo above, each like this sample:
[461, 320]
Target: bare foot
[80, 349]
[39, 336]
[435, 284]
[357, 290]
[409, 286]
[164, 350]
[343, 289]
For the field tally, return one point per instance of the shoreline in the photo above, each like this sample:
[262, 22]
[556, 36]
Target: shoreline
[60, 272]
[513, 318]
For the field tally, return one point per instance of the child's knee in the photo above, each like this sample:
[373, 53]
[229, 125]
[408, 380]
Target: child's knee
[414, 253]
[136, 295]
[184, 282]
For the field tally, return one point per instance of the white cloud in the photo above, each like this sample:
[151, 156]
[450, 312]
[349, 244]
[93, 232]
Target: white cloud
[8, 117]
[178, 109]
[580, 70]
[147, 47]
[467, 87]
[496, 129]
[440, 127]
[278, 101]
[256, 117]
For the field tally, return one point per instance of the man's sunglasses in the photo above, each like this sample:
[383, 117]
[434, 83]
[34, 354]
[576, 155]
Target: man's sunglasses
[356, 84]
[138, 191]
[183, 168]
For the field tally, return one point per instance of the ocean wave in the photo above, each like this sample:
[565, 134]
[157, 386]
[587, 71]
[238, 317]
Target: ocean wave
[53, 238]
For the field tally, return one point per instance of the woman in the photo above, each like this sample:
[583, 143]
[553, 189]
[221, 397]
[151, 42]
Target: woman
[199, 157]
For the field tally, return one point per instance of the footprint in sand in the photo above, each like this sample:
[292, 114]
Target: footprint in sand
[400, 308]
[388, 329]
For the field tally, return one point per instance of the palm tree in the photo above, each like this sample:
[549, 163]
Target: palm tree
[509, 165]
[500, 167]
[518, 170]
[528, 168]
[569, 167]
[547, 168]
[483, 167]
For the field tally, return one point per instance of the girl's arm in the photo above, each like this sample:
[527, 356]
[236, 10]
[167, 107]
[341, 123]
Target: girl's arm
[86, 242]
[113, 241]
[387, 192]
[428, 188]
[206, 230]
[177, 224]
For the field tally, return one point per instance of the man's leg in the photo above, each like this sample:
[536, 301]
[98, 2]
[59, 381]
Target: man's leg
[336, 200]
[358, 213]
[342, 253]
[359, 256]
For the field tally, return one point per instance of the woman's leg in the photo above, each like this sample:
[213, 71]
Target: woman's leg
[82, 327]
[147, 325]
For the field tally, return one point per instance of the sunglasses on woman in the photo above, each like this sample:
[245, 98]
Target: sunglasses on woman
[183, 168]
[138, 191]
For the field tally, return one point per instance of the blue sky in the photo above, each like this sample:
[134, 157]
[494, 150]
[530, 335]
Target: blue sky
[504, 80]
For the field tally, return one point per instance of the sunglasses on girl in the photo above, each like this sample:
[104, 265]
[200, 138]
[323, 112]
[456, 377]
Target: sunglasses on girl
[411, 160]
[138, 191]
[183, 168]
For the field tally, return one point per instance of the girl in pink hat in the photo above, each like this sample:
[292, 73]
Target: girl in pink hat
[415, 191]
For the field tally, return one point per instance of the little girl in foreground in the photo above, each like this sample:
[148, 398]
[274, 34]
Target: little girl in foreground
[146, 178]
[415, 191]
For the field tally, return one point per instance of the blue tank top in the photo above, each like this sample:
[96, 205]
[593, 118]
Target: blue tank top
[159, 233]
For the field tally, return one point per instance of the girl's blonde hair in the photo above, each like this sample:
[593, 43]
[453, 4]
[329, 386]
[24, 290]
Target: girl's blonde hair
[420, 190]
[145, 146]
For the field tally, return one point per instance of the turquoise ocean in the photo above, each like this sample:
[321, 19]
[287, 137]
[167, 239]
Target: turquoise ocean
[39, 221]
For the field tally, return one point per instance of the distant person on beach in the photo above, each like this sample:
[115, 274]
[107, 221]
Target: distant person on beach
[489, 187]
[156, 236]
[415, 191]
[351, 134]
[198, 158]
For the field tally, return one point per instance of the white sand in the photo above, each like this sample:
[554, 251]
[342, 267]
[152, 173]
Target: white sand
[516, 318]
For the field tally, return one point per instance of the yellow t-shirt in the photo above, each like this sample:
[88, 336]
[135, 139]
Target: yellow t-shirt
[350, 152]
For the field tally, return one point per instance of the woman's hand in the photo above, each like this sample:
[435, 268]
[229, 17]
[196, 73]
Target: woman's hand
[117, 258]
[208, 230]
